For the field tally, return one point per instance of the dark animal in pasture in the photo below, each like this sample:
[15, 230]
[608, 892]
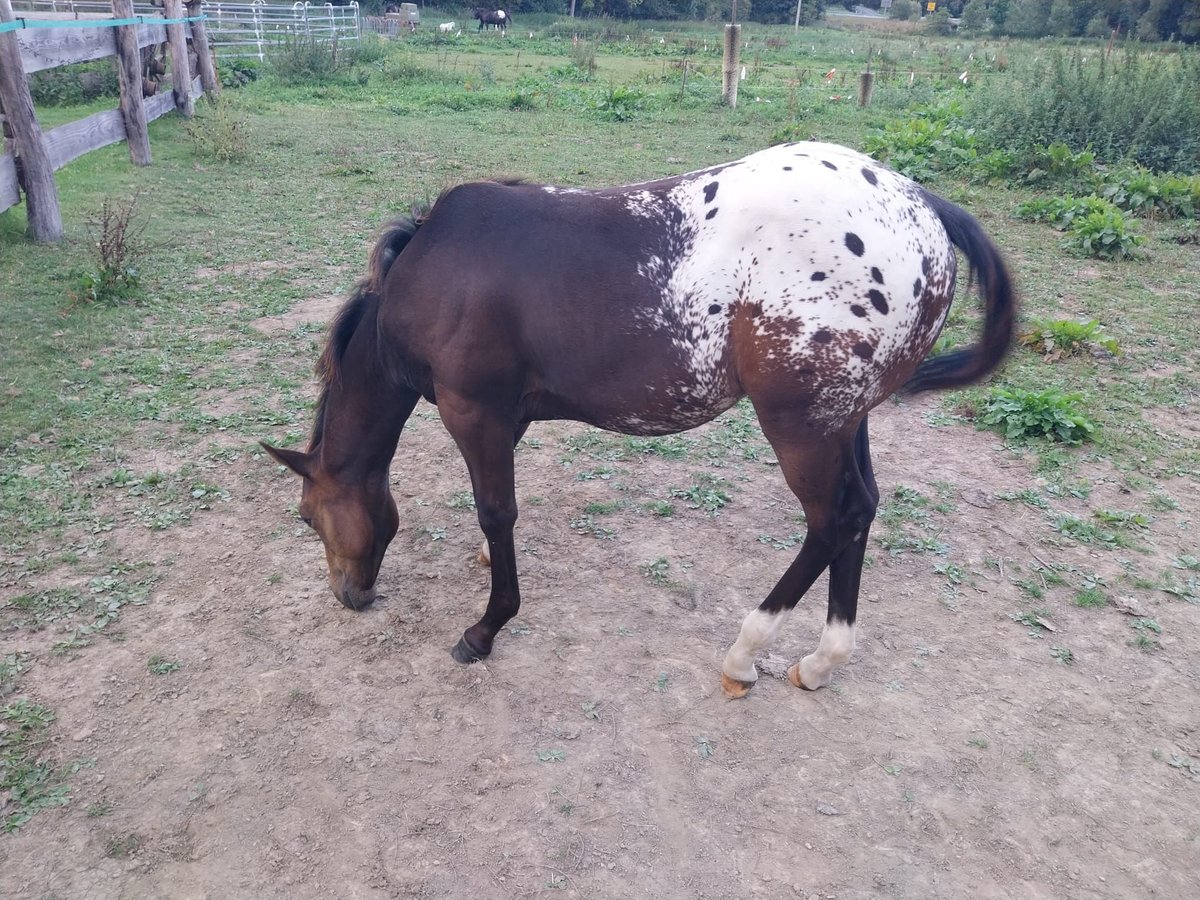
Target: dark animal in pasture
[807, 277]
[495, 17]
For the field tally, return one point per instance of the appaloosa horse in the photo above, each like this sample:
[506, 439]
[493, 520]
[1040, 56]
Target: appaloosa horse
[496, 17]
[807, 277]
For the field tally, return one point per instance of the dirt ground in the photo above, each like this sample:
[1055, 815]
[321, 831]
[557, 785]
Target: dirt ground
[303, 750]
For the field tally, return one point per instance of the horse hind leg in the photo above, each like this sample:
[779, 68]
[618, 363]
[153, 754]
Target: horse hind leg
[839, 502]
[484, 557]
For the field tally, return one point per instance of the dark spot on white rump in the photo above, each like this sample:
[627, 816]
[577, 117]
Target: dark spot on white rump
[710, 191]
[854, 243]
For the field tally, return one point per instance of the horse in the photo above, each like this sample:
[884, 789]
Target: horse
[807, 277]
[496, 17]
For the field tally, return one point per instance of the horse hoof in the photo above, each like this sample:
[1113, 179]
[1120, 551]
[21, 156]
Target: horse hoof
[733, 688]
[794, 678]
[463, 653]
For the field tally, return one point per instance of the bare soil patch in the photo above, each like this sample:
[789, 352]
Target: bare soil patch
[302, 750]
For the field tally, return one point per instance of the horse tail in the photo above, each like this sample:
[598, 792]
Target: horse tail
[393, 238]
[959, 368]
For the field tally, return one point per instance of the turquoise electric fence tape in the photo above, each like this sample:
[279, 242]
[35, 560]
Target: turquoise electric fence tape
[24, 24]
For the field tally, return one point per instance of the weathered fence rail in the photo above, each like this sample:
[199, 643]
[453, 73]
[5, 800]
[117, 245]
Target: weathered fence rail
[72, 33]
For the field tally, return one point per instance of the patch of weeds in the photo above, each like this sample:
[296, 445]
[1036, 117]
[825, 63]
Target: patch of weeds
[955, 574]
[899, 543]
[122, 846]
[604, 507]
[1146, 634]
[29, 783]
[1087, 533]
[618, 103]
[1090, 598]
[1188, 591]
[783, 543]
[98, 810]
[160, 665]
[519, 628]
[1160, 502]
[591, 709]
[656, 571]
[660, 683]
[1037, 621]
[603, 474]
[1125, 519]
[1063, 337]
[117, 251]
[660, 508]
[707, 493]
[461, 500]
[11, 667]
[1028, 496]
[1188, 562]
[1022, 414]
[979, 743]
[552, 755]
[1032, 588]
[220, 132]
[1063, 655]
[586, 525]
[670, 447]
[705, 747]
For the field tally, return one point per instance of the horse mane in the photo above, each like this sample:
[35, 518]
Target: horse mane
[364, 299]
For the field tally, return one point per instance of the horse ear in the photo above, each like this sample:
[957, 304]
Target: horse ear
[300, 463]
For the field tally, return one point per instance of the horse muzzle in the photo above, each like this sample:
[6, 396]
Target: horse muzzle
[352, 597]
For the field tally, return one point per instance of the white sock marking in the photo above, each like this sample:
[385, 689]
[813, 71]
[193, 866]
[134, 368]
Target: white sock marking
[837, 643]
[758, 630]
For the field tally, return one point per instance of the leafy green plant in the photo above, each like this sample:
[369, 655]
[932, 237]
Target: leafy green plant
[160, 665]
[1065, 337]
[618, 103]
[1104, 234]
[1021, 414]
[28, 783]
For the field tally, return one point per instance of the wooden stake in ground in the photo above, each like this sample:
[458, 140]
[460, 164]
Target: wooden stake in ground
[866, 83]
[730, 65]
[181, 75]
[41, 193]
[129, 68]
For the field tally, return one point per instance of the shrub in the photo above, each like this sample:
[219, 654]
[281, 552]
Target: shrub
[300, 59]
[1141, 108]
[1145, 194]
[904, 10]
[1023, 414]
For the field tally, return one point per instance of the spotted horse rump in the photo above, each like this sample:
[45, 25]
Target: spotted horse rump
[807, 277]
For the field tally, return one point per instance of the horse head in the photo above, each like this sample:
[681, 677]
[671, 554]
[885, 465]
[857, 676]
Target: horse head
[355, 517]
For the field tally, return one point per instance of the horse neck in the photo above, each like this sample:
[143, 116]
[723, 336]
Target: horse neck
[364, 413]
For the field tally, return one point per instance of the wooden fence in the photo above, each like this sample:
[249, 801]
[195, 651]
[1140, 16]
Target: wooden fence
[58, 38]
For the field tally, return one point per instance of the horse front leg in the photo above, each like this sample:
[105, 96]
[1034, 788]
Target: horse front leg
[485, 439]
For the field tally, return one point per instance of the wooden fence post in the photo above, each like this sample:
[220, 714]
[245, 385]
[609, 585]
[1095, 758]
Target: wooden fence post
[129, 68]
[730, 70]
[41, 193]
[204, 60]
[181, 75]
[866, 82]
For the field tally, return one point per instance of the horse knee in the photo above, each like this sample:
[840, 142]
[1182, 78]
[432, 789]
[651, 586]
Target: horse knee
[494, 517]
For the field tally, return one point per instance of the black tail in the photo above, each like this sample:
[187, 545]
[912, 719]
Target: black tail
[959, 368]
